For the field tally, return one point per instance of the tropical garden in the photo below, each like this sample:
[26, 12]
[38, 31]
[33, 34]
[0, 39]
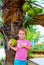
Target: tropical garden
[15, 14]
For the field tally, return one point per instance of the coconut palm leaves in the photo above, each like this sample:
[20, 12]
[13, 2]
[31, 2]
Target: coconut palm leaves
[30, 12]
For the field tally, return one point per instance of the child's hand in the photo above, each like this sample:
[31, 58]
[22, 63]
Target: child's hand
[27, 47]
[9, 43]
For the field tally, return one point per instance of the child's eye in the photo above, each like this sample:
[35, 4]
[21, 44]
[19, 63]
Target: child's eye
[22, 34]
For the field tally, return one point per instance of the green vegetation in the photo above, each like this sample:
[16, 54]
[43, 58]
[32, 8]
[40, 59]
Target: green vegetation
[37, 10]
[39, 47]
[30, 12]
[2, 41]
[1, 20]
[1, 2]
[32, 34]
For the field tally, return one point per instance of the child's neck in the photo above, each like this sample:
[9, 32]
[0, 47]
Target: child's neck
[21, 39]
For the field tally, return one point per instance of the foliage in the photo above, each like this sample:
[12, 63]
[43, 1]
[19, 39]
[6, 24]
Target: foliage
[37, 36]
[30, 54]
[1, 36]
[38, 47]
[34, 0]
[37, 10]
[32, 34]
[1, 20]
[30, 12]
[1, 2]
[42, 11]
[2, 41]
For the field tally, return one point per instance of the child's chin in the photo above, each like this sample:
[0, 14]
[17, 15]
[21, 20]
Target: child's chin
[22, 38]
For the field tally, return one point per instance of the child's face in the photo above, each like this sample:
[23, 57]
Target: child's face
[21, 34]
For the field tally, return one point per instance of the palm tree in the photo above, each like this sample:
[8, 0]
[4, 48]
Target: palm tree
[12, 16]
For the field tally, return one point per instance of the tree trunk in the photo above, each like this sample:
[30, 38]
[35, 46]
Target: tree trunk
[12, 22]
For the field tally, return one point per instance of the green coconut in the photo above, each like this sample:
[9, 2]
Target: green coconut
[25, 7]
[31, 12]
[37, 10]
[13, 42]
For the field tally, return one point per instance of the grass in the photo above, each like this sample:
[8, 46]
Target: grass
[36, 55]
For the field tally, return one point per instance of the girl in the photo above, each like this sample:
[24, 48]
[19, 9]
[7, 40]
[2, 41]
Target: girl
[21, 49]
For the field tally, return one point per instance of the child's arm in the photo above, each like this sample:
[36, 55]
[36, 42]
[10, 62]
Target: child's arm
[27, 47]
[13, 48]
